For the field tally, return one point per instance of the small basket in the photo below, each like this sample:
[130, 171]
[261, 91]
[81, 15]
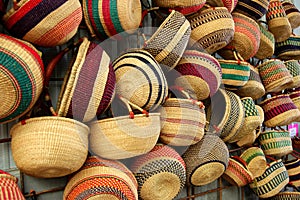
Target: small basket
[288, 49]
[294, 67]
[255, 9]
[292, 13]
[267, 43]
[200, 74]
[161, 170]
[230, 5]
[206, 160]
[186, 7]
[101, 179]
[9, 187]
[42, 22]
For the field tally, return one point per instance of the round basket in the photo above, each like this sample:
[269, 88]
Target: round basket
[140, 79]
[255, 9]
[206, 160]
[247, 140]
[106, 19]
[161, 170]
[101, 179]
[185, 7]
[44, 23]
[288, 49]
[230, 5]
[254, 87]
[276, 142]
[22, 78]
[292, 13]
[267, 43]
[294, 67]
[169, 41]
[274, 75]
[49, 147]
[212, 29]
[200, 73]
[286, 195]
[9, 187]
[295, 96]
[256, 160]
[293, 168]
[278, 23]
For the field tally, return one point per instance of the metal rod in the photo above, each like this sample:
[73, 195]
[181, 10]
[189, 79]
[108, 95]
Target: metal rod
[4, 140]
[44, 192]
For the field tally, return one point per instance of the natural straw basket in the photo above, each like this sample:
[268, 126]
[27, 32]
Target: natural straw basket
[212, 29]
[230, 5]
[169, 41]
[278, 23]
[206, 160]
[286, 195]
[9, 187]
[272, 181]
[267, 43]
[288, 49]
[186, 7]
[106, 19]
[43, 22]
[292, 13]
[276, 142]
[101, 179]
[125, 136]
[161, 173]
[140, 79]
[294, 67]
[295, 96]
[200, 73]
[255, 9]
[22, 78]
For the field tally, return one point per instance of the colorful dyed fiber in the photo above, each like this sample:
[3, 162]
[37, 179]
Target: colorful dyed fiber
[294, 68]
[252, 8]
[266, 45]
[185, 7]
[229, 4]
[9, 187]
[293, 169]
[288, 49]
[292, 12]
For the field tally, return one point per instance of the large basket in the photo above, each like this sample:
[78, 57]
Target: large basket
[44, 23]
[22, 78]
[292, 13]
[288, 49]
[267, 43]
[9, 187]
[294, 67]
[101, 179]
[230, 5]
[255, 9]
[186, 7]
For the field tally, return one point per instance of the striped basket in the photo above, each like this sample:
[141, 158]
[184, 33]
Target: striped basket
[169, 41]
[255, 9]
[140, 79]
[267, 43]
[200, 73]
[229, 4]
[106, 19]
[254, 87]
[22, 78]
[206, 160]
[295, 96]
[212, 29]
[279, 110]
[185, 7]
[292, 12]
[45, 23]
[272, 181]
[293, 169]
[286, 195]
[288, 49]
[161, 173]
[294, 67]
[275, 142]
[278, 23]
[245, 40]
[9, 187]
[101, 179]
[274, 75]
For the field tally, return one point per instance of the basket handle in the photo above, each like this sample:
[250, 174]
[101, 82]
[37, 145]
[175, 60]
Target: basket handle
[129, 106]
[240, 160]
[187, 95]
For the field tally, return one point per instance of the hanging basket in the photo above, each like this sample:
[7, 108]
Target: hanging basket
[230, 5]
[288, 49]
[186, 7]
[9, 187]
[295, 96]
[255, 9]
[294, 68]
[292, 13]
[293, 169]
[267, 43]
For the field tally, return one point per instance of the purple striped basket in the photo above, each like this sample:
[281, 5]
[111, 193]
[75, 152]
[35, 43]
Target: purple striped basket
[252, 8]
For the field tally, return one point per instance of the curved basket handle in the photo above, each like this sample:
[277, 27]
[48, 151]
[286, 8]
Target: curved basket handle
[187, 95]
[240, 160]
[131, 105]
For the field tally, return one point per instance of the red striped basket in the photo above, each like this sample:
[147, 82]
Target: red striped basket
[185, 7]
[45, 23]
[9, 188]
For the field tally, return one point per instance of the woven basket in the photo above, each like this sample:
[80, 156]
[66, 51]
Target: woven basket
[247, 140]
[278, 23]
[161, 170]
[140, 131]
[293, 169]
[101, 179]
[44, 23]
[169, 41]
[245, 40]
[294, 67]
[292, 13]
[255, 159]
[295, 96]
[255, 9]
[140, 79]
[186, 7]
[288, 49]
[254, 87]
[296, 142]
[237, 172]
[267, 43]
[106, 19]
[206, 160]
[274, 75]
[279, 110]
[230, 5]
[200, 73]
[9, 187]
[275, 142]
[212, 29]
[286, 195]
[273, 180]
[22, 78]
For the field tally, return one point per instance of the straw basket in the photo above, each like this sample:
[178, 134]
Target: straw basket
[22, 78]
[206, 160]
[278, 23]
[230, 5]
[273, 180]
[288, 49]
[294, 67]
[274, 75]
[293, 169]
[161, 173]
[186, 7]
[44, 23]
[252, 8]
[169, 41]
[212, 29]
[101, 179]
[275, 142]
[295, 96]
[9, 187]
[200, 73]
[286, 195]
[106, 19]
[140, 79]
[255, 159]
[292, 13]
[267, 43]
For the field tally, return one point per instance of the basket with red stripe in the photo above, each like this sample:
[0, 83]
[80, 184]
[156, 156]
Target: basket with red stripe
[9, 187]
